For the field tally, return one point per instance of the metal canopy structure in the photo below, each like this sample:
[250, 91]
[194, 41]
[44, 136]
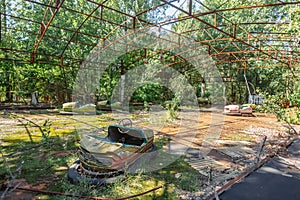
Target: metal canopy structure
[230, 42]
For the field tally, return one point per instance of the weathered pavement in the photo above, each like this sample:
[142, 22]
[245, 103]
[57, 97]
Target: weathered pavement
[225, 160]
[278, 179]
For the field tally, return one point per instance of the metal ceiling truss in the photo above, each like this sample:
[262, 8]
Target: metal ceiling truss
[233, 36]
[227, 48]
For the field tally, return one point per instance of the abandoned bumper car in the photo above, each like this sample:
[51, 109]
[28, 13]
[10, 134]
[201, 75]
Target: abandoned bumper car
[243, 110]
[105, 159]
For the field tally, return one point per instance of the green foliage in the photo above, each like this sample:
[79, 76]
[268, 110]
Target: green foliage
[172, 108]
[271, 80]
[153, 93]
[286, 109]
[40, 161]
[293, 27]
[150, 87]
[181, 174]
[46, 130]
[53, 80]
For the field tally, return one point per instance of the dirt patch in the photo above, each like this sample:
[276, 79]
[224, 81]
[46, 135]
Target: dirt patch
[234, 149]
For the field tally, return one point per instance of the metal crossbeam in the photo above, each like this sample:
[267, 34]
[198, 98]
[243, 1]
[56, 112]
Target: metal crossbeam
[228, 34]
[45, 26]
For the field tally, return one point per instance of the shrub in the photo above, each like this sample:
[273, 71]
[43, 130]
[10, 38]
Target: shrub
[285, 108]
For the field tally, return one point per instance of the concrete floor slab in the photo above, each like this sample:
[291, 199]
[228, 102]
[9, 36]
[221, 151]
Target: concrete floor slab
[276, 180]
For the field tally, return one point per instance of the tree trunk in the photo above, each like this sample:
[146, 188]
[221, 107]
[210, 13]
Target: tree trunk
[203, 87]
[8, 91]
[122, 88]
[34, 99]
[8, 94]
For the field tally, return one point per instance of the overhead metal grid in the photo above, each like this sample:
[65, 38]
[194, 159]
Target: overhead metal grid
[245, 47]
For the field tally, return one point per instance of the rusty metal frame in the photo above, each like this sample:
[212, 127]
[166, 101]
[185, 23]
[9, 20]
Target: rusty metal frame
[44, 27]
[226, 33]
[254, 44]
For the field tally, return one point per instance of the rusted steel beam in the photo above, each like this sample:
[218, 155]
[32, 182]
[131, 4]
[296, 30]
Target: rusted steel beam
[39, 54]
[234, 31]
[152, 8]
[238, 39]
[245, 7]
[41, 4]
[54, 26]
[270, 33]
[78, 32]
[52, 37]
[265, 66]
[230, 21]
[133, 18]
[247, 51]
[159, 24]
[215, 12]
[169, 64]
[261, 23]
[109, 8]
[144, 28]
[44, 28]
[79, 27]
[74, 31]
[23, 61]
[245, 66]
[224, 61]
[229, 25]
[269, 38]
[237, 52]
[83, 196]
[260, 148]
[76, 11]
[98, 18]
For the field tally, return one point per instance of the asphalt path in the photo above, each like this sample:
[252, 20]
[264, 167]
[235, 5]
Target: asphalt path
[278, 179]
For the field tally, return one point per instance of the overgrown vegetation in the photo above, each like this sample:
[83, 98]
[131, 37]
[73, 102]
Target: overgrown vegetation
[172, 108]
[286, 108]
[48, 154]
[54, 83]
[45, 148]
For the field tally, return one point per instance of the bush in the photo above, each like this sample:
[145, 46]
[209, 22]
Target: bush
[172, 108]
[285, 108]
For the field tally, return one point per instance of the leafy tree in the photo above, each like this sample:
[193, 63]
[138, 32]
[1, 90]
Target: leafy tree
[285, 103]
[273, 79]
